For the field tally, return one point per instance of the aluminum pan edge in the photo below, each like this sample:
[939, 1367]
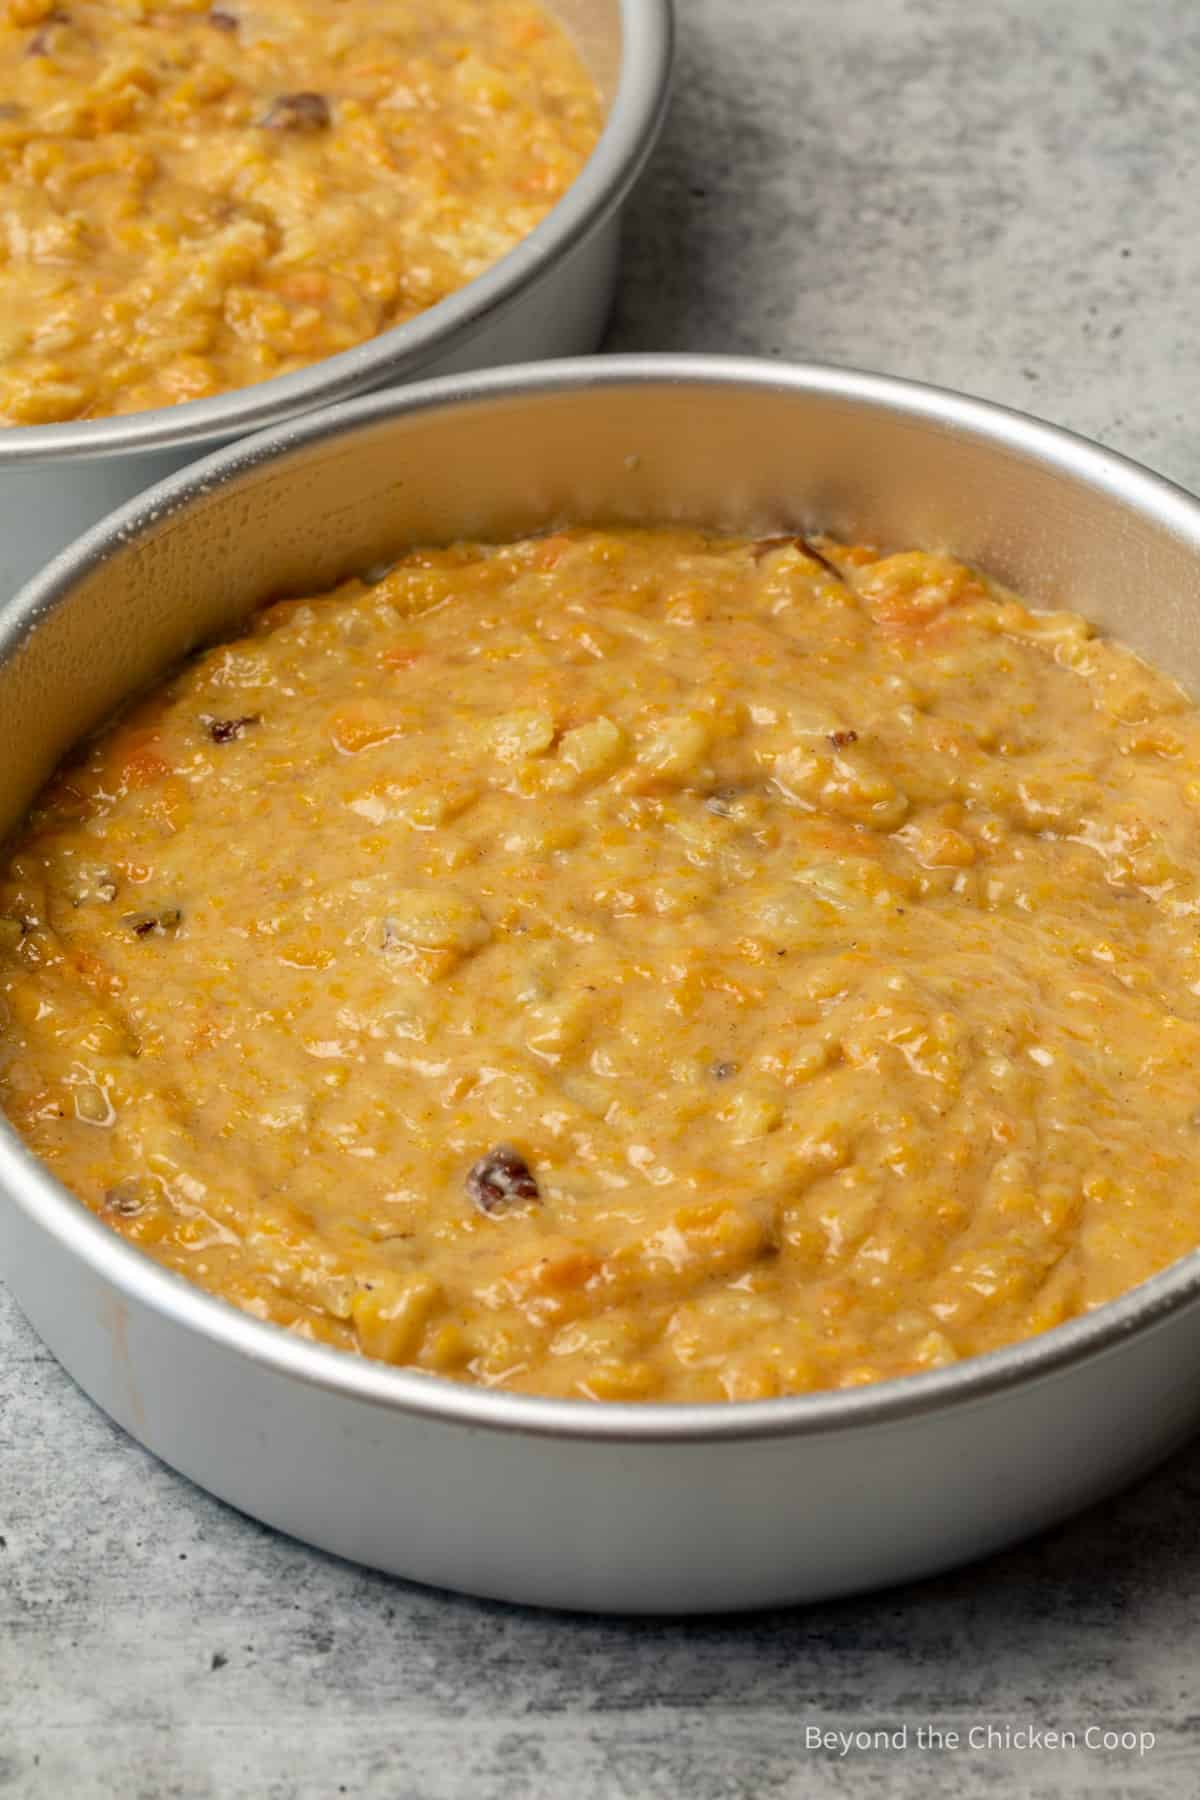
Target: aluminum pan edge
[137, 1278]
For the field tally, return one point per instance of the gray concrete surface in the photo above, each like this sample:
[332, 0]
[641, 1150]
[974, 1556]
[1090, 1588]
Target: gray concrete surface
[1001, 197]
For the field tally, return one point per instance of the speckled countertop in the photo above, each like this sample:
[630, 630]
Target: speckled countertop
[1000, 197]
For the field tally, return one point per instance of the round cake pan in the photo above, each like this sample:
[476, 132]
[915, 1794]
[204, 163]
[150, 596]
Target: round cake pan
[653, 1508]
[548, 297]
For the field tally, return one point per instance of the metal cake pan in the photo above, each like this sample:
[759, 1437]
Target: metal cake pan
[652, 1508]
[548, 297]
